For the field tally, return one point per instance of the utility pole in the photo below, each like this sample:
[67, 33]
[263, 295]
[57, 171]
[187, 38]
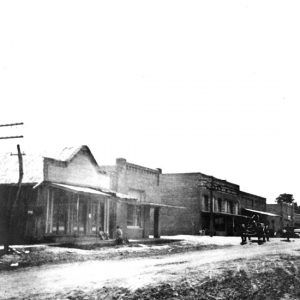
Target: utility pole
[11, 204]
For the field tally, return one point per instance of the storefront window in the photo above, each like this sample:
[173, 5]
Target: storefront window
[220, 224]
[60, 208]
[205, 203]
[134, 215]
[219, 205]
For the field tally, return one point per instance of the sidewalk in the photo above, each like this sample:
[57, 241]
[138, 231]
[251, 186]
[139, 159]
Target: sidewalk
[39, 254]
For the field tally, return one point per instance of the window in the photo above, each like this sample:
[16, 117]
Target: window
[205, 203]
[236, 206]
[220, 224]
[60, 208]
[225, 206]
[134, 215]
[219, 204]
[134, 212]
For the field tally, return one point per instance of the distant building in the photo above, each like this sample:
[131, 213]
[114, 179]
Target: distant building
[195, 191]
[252, 202]
[256, 205]
[285, 212]
[297, 220]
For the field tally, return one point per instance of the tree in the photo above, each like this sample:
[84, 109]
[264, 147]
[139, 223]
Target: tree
[285, 198]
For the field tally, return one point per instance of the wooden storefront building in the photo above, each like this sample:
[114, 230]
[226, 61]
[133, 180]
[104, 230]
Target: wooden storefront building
[63, 198]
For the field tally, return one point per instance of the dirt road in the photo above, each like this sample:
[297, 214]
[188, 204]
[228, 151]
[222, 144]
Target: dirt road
[44, 281]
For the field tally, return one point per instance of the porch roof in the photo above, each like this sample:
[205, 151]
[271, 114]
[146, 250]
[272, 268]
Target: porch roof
[225, 214]
[78, 189]
[262, 212]
[90, 190]
[151, 204]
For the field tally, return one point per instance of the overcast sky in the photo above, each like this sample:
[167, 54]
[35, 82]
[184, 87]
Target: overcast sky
[186, 86]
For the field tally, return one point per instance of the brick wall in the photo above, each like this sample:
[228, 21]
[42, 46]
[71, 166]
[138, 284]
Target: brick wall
[133, 177]
[297, 220]
[286, 211]
[187, 190]
[134, 180]
[252, 201]
[180, 190]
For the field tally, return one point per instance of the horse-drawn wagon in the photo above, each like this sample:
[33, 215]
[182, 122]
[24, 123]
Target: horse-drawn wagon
[255, 229]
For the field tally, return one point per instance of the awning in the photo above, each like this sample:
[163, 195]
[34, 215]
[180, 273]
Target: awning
[88, 190]
[124, 196]
[225, 214]
[262, 212]
[151, 204]
[108, 193]
[78, 189]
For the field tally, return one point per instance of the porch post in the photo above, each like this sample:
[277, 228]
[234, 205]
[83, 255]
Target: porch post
[211, 213]
[77, 213]
[106, 215]
[47, 211]
[51, 210]
[156, 223]
[226, 224]
[98, 217]
[107, 218]
[69, 223]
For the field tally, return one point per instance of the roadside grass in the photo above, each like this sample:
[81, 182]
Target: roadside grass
[36, 256]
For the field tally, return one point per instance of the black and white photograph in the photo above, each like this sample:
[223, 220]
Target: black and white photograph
[149, 149]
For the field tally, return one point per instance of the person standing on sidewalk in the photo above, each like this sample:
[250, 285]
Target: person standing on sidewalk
[119, 236]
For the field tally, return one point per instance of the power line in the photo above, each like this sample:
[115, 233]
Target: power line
[12, 124]
[11, 137]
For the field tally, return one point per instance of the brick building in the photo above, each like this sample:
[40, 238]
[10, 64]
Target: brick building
[285, 213]
[142, 183]
[206, 198]
[297, 220]
[252, 202]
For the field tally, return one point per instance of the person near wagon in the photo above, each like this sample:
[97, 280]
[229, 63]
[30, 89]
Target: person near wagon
[288, 232]
[243, 234]
[267, 232]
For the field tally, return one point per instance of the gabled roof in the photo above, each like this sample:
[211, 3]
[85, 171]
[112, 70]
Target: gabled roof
[33, 165]
[68, 153]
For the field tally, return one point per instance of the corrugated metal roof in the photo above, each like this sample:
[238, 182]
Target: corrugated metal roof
[64, 154]
[33, 165]
[78, 189]
[89, 190]
[124, 196]
[262, 212]
[151, 204]
[225, 214]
